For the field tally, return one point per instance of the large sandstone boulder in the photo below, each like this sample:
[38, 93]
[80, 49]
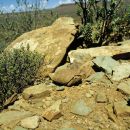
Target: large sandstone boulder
[71, 74]
[52, 42]
[121, 51]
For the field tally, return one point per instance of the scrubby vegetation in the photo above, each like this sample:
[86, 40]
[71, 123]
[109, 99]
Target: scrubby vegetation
[103, 21]
[19, 21]
[17, 70]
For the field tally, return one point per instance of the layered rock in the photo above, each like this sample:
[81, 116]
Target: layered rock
[116, 51]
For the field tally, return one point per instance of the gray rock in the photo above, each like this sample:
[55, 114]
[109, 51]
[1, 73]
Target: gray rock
[95, 77]
[106, 63]
[12, 116]
[60, 88]
[80, 108]
[36, 91]
[19, 128]
[121, 71]
[124, 87]
[67, 129]
[30, 122]
[101, 98]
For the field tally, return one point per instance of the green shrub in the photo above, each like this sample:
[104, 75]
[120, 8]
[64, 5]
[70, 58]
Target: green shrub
[104, 20]
[17, 70]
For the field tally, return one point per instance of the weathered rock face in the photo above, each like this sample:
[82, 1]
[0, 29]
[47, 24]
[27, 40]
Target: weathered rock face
[52, 42]
[100, 51]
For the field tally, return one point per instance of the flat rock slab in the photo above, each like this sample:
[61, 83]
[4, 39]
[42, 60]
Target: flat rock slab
[121, 71]
[36, 91]
[121, 108]
[52, 42]
[80, 108]
[53, 112]
[106, 63]
[124, 87]
[30, 122]
[12, 116]
[100, 51]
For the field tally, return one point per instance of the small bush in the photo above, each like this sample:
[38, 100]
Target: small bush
[17, 70]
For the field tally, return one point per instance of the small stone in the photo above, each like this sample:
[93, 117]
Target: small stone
[124, 87]
[47, 103]
[121, 108]
[31, 122]
[65, 100]
[36, 91]
[80, 108]
[48, 98]
[19, 128]
[91, 92]
[88, 95]
[53, 112]
[61, 88]
[101, 98]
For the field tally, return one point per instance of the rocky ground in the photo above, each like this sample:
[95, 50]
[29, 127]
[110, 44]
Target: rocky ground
[98, 103]
[90, 90]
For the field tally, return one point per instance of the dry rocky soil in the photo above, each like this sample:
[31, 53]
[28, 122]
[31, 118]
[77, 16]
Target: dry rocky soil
[90, 91]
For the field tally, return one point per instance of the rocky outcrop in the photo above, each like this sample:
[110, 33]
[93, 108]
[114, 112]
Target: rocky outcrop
[101, 101]
[52, 42]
